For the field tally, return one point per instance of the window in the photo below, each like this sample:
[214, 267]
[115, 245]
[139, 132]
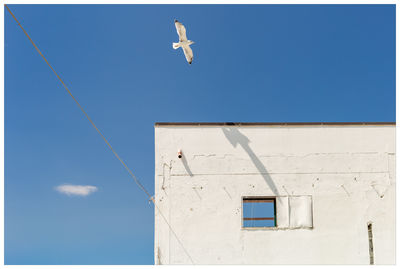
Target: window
[259, 212]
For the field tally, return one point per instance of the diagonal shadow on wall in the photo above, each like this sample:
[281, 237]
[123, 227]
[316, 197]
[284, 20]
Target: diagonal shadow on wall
[235, 137]
[185, 164]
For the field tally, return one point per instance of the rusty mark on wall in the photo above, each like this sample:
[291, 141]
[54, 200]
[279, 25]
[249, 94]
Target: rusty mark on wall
[370, 243]
[158, 256]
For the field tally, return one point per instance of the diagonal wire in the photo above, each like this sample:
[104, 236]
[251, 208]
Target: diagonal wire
[102, 136]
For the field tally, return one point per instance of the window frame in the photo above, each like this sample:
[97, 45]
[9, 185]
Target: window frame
[255, 197]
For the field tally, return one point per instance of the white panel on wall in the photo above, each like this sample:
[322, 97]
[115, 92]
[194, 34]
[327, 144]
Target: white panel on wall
[282, 212]
[300, 211]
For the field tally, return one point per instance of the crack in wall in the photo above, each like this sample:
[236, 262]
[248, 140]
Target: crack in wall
[294, 173]
[320, 153]
[163, 175]
[198, 195]
[283, 187]
[380, 194]
[227, 193]
[348, 194]
[315, 181]
[386, 168]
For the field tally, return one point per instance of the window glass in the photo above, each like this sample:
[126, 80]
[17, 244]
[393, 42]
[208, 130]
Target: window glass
[259, 212]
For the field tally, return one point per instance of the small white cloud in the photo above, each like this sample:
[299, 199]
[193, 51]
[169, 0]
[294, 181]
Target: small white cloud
[76, 189]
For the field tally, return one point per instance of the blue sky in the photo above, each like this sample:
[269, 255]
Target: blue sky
[261, 63]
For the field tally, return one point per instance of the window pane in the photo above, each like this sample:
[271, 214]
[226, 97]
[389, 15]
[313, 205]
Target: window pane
[258, 212]
[258, 223]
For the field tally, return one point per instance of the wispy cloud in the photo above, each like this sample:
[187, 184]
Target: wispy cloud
[79, 190]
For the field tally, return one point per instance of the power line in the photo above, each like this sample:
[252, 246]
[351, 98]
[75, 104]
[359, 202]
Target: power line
[105, 140]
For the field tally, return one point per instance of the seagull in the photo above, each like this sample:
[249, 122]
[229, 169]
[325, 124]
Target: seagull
[184, 43]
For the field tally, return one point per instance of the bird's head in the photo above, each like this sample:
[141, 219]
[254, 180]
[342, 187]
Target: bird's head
[191, 42]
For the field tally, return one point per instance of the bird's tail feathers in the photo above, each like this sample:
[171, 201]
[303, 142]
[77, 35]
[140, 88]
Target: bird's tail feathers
[175, 45]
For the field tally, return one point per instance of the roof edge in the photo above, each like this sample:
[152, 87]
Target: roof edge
[270, 123]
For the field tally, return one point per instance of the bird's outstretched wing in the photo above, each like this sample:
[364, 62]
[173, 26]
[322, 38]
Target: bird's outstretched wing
[180, 29]
[188, 53]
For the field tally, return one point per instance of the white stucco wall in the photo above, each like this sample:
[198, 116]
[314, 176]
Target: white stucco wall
[349, 172]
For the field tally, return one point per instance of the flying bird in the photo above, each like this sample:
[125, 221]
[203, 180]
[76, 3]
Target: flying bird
[184, 43]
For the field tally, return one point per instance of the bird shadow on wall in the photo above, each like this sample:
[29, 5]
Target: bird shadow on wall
[235, 137]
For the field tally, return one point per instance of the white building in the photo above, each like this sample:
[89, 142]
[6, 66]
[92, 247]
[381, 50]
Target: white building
[275, 193]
